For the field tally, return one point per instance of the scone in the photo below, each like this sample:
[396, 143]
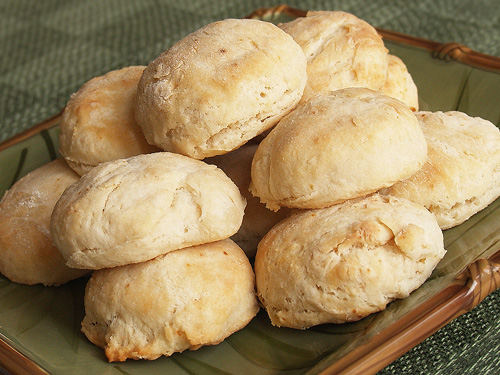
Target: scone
[341, 51]
[131, 210]
[27, 255]
[257, 219]
[98, 123]
[399, 83]
[342, 263]
[219, 87]
[335, 147]
[182, 300]
[462, 174]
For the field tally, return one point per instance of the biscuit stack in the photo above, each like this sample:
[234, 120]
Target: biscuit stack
[355, 251]
[316, 163]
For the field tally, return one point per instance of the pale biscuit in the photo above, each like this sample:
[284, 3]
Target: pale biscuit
[131, 210]
[335, 147]
[342, 263]
[27, 255]
[341, 51]
[399, 83]
[98, 123]
[219, 87]
[257, 219]
[462, 174]
[183, 300]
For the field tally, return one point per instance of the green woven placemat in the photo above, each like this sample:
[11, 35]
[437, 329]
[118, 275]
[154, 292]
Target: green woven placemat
[50, 48]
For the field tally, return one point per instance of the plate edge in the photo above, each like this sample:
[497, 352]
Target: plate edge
[30, 132]
[16, 362]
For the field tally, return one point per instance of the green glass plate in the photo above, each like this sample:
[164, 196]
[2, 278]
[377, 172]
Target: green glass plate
[40, 326]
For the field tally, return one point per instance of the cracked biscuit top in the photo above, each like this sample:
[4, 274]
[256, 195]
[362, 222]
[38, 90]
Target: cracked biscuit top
[132, 210]
[341, 51]
[219, 87]
[342, 263]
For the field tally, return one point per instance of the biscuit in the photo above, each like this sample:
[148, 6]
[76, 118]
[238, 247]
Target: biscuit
[341, 51]
[131, 210]
[399, 83]
[27, 255]
[219, 87]
[98, 123]
[182, 300]
[462, 173]
[342, 263]
[335, 147]
[257, 219]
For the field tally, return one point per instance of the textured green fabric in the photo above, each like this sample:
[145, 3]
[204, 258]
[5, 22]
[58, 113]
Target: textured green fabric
[50, 48]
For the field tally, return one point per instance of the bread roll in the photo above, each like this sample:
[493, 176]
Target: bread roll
[462, 173]
[219, 87]
[342, 263]
[335, 147]
[98, 123]
[182, 300]
[399, 83]
[131, 210]
[341, 50]
[27, 255]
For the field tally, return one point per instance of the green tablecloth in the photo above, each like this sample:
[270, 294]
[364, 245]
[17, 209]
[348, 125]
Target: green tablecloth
[50, 48]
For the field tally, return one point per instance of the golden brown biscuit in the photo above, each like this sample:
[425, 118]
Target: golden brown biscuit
[98, 123]
[342, 263]
[335, 147]
[182, 300]
[399, 83]
[341, 50]
[131, 210]
[219, 87]
[257, 219]
[27, 255]
[462, 174]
